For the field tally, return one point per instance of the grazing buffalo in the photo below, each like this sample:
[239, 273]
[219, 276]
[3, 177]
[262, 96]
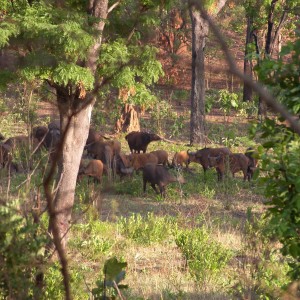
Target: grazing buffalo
[139, 141]
[158, 175]
[93, 168]
[183, 157]
[122, 165]
[236, 162]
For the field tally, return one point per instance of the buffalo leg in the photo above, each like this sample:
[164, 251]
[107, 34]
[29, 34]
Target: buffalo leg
[144, 185]
[154, 187]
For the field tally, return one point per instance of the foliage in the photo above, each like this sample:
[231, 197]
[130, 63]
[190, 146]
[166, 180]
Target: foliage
[205, 258]
[93, 239]
[227, 102]
[146, 230]
[110, 285]
[160, 113]
[21, 252]
[280, 155]
[265, 277]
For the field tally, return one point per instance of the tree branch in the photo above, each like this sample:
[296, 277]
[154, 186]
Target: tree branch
[113, 6]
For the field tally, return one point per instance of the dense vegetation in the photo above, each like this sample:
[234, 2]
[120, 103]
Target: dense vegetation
[232, 239]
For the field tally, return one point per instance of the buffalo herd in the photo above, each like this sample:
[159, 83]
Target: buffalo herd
[104, 156]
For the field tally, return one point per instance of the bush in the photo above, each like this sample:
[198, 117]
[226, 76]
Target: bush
[205, 257]
[21, 253]
[147, 230]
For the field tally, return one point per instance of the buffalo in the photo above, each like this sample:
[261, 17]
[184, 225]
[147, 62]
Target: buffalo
[162, 157]
[250, 153]
[5, 155]
[93, 137]
[158, 175]
[139, 160]
[183, 157]
[139, 141]
[122, 165]
[93, 168]
[201, 156]
[236, 162]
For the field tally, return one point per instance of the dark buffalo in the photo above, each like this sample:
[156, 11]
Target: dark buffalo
[139, 141]
[53, 136]
[93, 137]
[102, 151]
[5, 155]
[48, 136]
[158, 175]
[250, 153]
[122, 165]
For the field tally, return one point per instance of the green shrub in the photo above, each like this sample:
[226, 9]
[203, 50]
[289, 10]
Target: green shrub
[21, 252]
[146, 230]
[93, 239]
[205, 257]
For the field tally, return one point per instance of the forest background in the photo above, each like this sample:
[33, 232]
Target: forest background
[104, 61]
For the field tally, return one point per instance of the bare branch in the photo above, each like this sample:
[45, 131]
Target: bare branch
[113, 6]
[256, 86]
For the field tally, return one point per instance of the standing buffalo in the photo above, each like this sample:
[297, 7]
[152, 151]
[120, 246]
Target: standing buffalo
[49, 136]
[158, 175]
[250, 153]
[93, 137]
[139, 141]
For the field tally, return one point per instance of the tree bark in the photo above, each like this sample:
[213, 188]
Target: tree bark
[199, 33]
[247, 90]
[74, 128]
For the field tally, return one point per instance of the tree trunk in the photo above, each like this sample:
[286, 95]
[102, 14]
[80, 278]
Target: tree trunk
[75, 119]
[247, 90]
[199, 33]
[74, 129]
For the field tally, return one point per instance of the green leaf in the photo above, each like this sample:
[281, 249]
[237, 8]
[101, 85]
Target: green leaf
[113, 268]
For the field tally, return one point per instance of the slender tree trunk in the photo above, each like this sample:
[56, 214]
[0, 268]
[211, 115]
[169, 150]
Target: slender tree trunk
[247, 90]
[199, 33]
[269, 45]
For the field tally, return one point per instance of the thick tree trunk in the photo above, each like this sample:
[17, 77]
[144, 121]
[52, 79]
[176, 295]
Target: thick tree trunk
[199, 33]
[75, 119]
[247, 90]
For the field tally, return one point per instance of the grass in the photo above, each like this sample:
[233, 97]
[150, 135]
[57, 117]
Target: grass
[118, 219]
